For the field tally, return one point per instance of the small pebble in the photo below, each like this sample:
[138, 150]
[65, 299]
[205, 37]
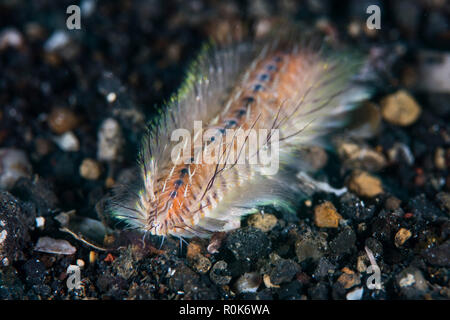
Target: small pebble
[61, 120]
[11, 37]
[438, 256]
[354, 208]
[248, 244]
[92, 256]
[248, 282]
[268, 283]
[110, 140]
[348, 278]
[401, 237]
[364, 184]
[400, 153]
[412, 277]
[439, 159]
[111, 97]
[392, 203]
[201, 264]
[80, 263]
[326, 215]
[14, 164]
[109, 182]
[219, 273]
[90, 169]
[264, 222]
[310, 247]
[400, 109]
[343, 243]
[407, 281]
[434, 70]
[40, 222]
[109, 258]
[362, 227]
[360, 157]
[283, 271]
[56, 41]
[262, 27]
[324, 269]
[196, 259]
[68, 142]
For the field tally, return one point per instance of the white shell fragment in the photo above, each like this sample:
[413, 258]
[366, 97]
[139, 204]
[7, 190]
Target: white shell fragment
[68, 142]
[14, 164]
[110, 140]
[40, 222]
[56, 246]
[355, 294]
[56, 41]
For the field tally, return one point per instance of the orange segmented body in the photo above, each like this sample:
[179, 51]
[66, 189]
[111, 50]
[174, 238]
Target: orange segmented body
[301, 93]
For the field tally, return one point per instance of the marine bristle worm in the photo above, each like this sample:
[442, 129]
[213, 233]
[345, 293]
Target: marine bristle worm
[300, 90]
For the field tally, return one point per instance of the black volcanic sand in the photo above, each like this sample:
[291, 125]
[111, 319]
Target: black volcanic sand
[139, 50]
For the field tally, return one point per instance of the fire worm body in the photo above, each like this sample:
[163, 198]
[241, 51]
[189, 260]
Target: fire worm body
[293, 91]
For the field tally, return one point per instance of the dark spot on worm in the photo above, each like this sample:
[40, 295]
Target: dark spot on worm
[183, 172]
[222, 130]
[258, 87]
[178, 183]
[271, 67]
[264, 77]
[277, 59]
[249, 100]
[230, 123]
[212, 139]
[173, 194]
[241, 112]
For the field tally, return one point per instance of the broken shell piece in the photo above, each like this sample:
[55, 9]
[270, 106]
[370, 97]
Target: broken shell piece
[40, 222]
[56, 246]
[67, 142]
[356, 294]
[14, 164]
